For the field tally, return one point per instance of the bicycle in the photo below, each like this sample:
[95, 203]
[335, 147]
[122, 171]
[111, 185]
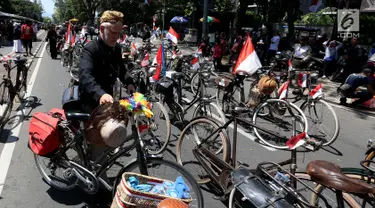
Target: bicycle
[309, 107]
[345, 183]
[173, 81]
[7, 89]
[85, 173]
[228, 150]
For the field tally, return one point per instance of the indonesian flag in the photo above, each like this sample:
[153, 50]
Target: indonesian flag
[315, 5]
[302, 80]
[195, 63]
[134, 48]
[159, 61]
[145, 60]
[69, 37]
[283, 91]
[172, 35]
[83, 31]
[317, 91]
[248, 60]
[198, 52]
[296, 141]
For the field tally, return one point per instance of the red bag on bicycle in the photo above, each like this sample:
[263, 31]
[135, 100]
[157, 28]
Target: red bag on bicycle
[44, 136]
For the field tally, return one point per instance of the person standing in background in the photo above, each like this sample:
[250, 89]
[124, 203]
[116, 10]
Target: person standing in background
[2, 33]
[274, 46]
[27, 37]
[17, 45]
[52, 36]
[10, 35]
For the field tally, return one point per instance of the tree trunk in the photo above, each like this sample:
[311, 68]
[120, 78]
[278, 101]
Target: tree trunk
[240, 16]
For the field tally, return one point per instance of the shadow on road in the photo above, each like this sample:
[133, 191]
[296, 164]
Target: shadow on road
[76, 197]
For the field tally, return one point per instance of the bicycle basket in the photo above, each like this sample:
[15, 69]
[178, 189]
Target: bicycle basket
[130, 197]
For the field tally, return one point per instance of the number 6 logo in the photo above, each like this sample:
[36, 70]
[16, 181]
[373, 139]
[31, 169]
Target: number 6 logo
[347, 18]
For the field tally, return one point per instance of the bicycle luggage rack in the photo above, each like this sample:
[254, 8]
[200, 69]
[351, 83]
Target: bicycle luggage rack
[270, 186]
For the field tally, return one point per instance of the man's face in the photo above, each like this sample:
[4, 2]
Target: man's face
[110, 33]
[354, 41]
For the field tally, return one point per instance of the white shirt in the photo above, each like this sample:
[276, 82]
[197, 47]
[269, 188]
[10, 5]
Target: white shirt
[275, 40]
[302, 51]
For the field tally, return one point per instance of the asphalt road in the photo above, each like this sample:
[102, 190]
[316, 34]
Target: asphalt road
[24, 186]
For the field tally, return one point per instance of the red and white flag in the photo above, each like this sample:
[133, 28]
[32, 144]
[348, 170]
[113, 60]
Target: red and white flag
[5, 58]
[145, 60]
[69, 37]
[248, 60]
[317, 91]
[296, 141]
[302, 80]
[315, 5]
[173, 35]
[198, 52]
[195, 63]
[283, 91]
[159, 61]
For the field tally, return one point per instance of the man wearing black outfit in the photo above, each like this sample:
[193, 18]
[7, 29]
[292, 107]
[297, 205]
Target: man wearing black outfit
[101, 64]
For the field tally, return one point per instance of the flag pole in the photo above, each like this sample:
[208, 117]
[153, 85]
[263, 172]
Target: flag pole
[205, 14]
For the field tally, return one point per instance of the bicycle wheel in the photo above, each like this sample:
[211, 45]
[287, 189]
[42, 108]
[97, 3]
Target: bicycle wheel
[47, 49]
[157, 142]
[227, 100]
[211, 110]
[313, 117]
[67, 180]
[275, 112]
[21, 81]
[215, 144]
[174, 171]
[328, 194]
[209, 88]
[6, 102]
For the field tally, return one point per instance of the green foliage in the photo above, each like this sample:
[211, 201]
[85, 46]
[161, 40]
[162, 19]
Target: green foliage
[223, 5]
[23, 8]
[316, 19]
[47, 20]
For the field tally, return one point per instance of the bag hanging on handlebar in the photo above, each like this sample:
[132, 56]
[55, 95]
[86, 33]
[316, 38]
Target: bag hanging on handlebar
[44, 135]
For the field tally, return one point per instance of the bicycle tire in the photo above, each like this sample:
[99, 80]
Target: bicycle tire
[183, 172]
[221, 118]
[318, 188]
[4, 90]
[337, 122]
[220, 103]
[225, 148]
[193, 87]
[49, 180]
[168, 123]
[257, 112]
[21, 82]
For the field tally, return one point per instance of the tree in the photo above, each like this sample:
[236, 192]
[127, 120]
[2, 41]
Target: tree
[6, 6]
[27, 8]
[318, 18]
[47, 20]
[89, 7]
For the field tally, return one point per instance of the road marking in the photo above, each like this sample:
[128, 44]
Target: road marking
[10, 144]
[240, 130]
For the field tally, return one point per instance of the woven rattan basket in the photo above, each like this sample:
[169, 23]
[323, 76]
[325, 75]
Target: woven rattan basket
[128, 197]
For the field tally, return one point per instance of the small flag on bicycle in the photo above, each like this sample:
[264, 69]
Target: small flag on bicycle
[248, 60]
[145, 60]
[296, 141]
[302, 80]
[283, 91]
[195, 63]
[173, 35]
[158, 60]
[317, 91]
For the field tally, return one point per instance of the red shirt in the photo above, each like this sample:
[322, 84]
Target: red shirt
[217, 51]
[27, 32]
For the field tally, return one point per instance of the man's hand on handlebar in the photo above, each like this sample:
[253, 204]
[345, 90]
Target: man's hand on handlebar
[106, 98]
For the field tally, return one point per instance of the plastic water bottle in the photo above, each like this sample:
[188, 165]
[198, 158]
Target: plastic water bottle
[281, 178]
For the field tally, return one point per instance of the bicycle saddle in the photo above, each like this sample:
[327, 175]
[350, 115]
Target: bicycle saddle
[77, 116]
[20, 60]
[330, 175]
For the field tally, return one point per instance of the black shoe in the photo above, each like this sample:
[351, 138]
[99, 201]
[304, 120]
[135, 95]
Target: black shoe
[343, 101]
